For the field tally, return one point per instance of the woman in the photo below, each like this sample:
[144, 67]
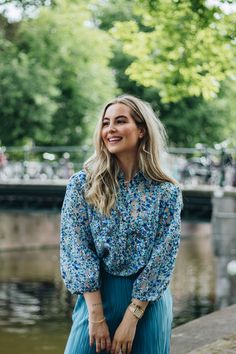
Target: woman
[120, 231]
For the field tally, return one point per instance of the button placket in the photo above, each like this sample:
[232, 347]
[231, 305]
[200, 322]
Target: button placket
[127, 196]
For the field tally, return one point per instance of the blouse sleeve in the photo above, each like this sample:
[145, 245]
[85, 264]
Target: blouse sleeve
[78, 259]
[156, 275]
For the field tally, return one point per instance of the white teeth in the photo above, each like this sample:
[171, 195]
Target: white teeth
[114, 139]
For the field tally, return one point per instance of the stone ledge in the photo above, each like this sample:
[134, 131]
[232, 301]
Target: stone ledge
[206, 330]
[225, 345]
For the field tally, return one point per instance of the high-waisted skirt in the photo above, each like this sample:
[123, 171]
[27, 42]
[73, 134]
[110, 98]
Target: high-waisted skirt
[153, 329]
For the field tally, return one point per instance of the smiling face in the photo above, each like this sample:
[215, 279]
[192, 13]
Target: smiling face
[120, 133]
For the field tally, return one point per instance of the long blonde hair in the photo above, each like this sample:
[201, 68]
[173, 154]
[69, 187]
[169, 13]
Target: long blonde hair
[102, 168]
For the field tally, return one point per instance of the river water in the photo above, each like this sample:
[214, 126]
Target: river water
[35, 308]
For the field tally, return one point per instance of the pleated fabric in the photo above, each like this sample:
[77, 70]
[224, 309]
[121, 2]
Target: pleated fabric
[153, 330]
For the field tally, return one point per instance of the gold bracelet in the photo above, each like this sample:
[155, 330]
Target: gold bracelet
[100, 321]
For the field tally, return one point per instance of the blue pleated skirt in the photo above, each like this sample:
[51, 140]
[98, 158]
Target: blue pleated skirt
[153, 329]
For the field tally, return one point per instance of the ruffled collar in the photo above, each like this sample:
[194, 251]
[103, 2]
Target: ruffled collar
[121, 176]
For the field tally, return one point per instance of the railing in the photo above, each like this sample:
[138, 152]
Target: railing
[194, 166]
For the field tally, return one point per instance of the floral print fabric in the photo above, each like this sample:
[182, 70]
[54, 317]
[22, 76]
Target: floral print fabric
[142, 234]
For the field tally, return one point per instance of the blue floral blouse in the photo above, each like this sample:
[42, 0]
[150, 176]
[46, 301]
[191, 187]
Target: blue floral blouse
[142, 235]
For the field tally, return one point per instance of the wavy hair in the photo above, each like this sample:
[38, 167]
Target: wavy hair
[102, 167]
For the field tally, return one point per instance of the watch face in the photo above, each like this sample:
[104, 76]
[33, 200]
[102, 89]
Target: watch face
[136, 311]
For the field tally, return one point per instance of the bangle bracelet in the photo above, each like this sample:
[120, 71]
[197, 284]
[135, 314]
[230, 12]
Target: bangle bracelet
[100, 321]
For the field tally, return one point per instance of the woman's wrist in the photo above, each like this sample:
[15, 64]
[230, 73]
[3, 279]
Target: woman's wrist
[96, 314]
[130, 317]
[137, 308]
[94, 305]
[96, 311]
[141, 304]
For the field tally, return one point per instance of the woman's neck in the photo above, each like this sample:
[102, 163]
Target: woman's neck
[129, 169]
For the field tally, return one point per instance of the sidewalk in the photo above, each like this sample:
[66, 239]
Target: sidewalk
[211, 334]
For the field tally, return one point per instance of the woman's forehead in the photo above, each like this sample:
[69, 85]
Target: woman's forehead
[117, 109]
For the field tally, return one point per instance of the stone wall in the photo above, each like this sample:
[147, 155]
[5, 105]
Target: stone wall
[19, 229]
[224, 244]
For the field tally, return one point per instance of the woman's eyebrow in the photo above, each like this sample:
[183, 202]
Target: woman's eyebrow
[120, 116]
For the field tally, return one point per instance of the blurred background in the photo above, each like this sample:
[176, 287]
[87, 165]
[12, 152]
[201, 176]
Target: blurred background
[59, 62]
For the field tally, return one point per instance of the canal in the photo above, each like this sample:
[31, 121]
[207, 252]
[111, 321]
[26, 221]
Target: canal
[35, 308]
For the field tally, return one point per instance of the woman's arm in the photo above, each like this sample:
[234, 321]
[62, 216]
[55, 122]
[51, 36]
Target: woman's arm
[98, 329]
[156, 275]
[80, 265]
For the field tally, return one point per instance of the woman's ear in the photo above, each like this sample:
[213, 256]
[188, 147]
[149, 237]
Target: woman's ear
[142, 132]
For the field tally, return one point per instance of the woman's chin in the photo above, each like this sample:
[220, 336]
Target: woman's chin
[114, 149]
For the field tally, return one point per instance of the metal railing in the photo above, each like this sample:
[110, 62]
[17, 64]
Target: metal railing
[197, 165]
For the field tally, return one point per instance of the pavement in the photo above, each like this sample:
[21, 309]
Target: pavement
[211, 334]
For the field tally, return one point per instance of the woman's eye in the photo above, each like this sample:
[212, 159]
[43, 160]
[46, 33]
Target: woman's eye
[118, 122]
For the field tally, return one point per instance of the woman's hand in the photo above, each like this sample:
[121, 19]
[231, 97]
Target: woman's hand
[124, 335]
[98, 329]
[99, 333]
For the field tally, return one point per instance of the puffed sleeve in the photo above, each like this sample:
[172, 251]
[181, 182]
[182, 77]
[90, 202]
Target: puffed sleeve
[78, 260]
[156, 275]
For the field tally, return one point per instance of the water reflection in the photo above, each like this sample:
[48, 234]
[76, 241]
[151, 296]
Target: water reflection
[35, 308]
[193, 283]
[46, 338]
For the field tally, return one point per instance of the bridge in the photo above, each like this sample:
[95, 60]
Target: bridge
[29, 184]
[48, 195]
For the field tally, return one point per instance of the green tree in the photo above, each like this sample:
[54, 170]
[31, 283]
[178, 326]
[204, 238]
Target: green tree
[183, 48]
[27, 96]
[193, 120]
[190, 119]
[65, 54]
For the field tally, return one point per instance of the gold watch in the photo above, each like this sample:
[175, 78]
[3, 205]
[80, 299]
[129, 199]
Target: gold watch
[136, 310]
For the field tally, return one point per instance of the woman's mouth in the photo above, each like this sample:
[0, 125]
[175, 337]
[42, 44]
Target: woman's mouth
[114, 140]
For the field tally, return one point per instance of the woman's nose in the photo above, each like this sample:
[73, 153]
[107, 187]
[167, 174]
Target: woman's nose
[111, 127]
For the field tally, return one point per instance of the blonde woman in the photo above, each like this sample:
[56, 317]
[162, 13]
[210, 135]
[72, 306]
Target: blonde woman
[120, 232]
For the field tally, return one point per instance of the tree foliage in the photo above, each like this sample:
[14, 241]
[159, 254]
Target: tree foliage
[27, 96]
[183, 49]
[189, 120]
[60, 77]
[58, 67]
